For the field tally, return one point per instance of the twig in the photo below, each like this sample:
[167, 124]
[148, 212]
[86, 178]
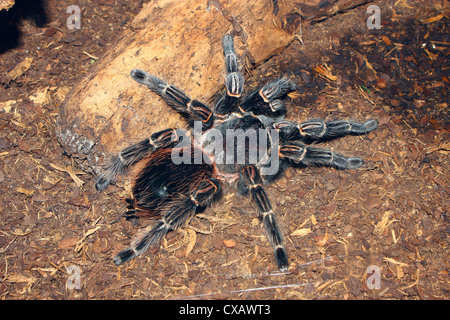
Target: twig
[90, 55]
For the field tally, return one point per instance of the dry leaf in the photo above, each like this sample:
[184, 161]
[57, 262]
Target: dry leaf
[301, 232]
[384, 119]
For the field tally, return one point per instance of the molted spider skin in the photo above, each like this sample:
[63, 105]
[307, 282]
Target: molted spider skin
[172, 191]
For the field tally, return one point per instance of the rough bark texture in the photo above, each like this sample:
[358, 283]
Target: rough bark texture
[6, 4]
[179, 41]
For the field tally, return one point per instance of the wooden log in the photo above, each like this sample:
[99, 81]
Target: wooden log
[178, 41]
[6, 4]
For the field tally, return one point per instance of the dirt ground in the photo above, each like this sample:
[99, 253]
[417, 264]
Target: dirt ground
[391, 215]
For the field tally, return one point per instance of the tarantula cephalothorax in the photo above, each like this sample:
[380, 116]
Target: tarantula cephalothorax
[185, 170]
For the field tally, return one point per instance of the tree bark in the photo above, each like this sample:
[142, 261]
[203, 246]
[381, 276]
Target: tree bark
[6, 4]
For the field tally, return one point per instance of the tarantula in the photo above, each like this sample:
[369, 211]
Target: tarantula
[186, 170]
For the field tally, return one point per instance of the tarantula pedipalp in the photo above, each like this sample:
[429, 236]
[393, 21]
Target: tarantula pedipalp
[185, 171]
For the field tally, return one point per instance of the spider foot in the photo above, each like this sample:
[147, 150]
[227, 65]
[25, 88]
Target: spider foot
[133, 154]
[251, 178]
[123, 160]
[208, 192]
[281, 258]
[370, 125]
[124, 256]
[267, 100]
[192, 110]
[115, 167]
[154, 83]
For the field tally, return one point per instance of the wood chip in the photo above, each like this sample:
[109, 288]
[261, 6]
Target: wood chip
[41, 96]
[25, 191]
[323, 241]
[324, 71]
[384, 223]
[19, 278]
[20, 69]
[301, 232]
[386, 40]
[87, 234]
[434, 19]
[67, 243]
[216, 219]
[229, 243]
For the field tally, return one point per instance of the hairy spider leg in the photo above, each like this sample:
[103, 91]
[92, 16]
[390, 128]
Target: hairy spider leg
[234, 80]
[250, 181]
[319, 130]
[191, 110]
[267, 100]
[208, 192]
[298, 153]
[131, 155]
